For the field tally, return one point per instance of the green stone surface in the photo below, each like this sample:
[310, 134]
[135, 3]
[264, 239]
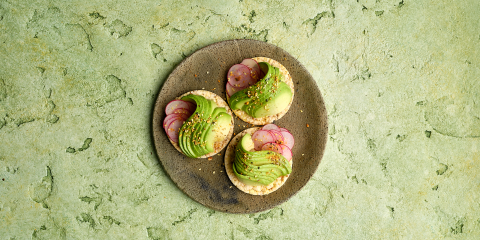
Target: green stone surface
[400, 80]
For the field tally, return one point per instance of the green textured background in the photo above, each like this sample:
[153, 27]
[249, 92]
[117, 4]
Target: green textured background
[400, 79]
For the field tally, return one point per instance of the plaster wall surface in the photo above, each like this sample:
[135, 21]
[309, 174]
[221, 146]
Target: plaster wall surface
[400, 79]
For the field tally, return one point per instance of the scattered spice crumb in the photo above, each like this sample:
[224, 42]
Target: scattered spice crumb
[210, 159]
[213, 172]
[199, 169]
[230, 186]
[308, 125]
[196, 75]
[301, 110]
[303, 154]
[218, 80]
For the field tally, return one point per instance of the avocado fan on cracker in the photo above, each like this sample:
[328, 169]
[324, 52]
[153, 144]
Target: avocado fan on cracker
[199, 123]
[258, 161]
[259, 90]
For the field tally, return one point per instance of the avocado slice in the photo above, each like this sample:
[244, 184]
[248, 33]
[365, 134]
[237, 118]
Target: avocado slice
[276, 104]
[186, 133]
[208, 134]
[222, 127]
[258, 168]
[217, 130]
[267, 97]
[201, 145]
[196, 136]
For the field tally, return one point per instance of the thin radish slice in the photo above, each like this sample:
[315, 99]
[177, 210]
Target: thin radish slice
[288, 139]
[261, 137]
[278, 137]
[286, 152]
[273, 147]
[167, 120]
[239, 76]
[270, 126]
[176, 104]
[231, 89]
[174, 128]
[253, 65]
[250, 63]
[172, 118]
[183, 110]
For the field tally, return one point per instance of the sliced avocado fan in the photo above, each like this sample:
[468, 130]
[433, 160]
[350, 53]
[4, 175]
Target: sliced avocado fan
[258, 168]
[199, 132]
[267, 97]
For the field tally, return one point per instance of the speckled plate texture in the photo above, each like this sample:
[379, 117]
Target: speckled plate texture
[205, 180]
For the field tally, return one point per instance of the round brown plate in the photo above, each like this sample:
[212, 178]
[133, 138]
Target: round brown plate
[204, 180]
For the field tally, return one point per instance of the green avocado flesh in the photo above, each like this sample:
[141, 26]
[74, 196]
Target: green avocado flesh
[267, 97]
[258, 168]
[208, 124]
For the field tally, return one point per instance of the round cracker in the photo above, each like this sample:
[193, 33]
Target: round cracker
[230, 157]
[268, 119]
[218, 146]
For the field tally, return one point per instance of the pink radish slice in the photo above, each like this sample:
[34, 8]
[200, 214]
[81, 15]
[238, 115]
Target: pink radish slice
[261, 137]
[172, 117]
[174, 128]
[239, 76]
[231, 89]
[253, 65]
[288, 139]
[277, 135]
[273, 147]
[286, 152]
[270, 126]
[169, 119]
[176, 104]
[183, 110]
